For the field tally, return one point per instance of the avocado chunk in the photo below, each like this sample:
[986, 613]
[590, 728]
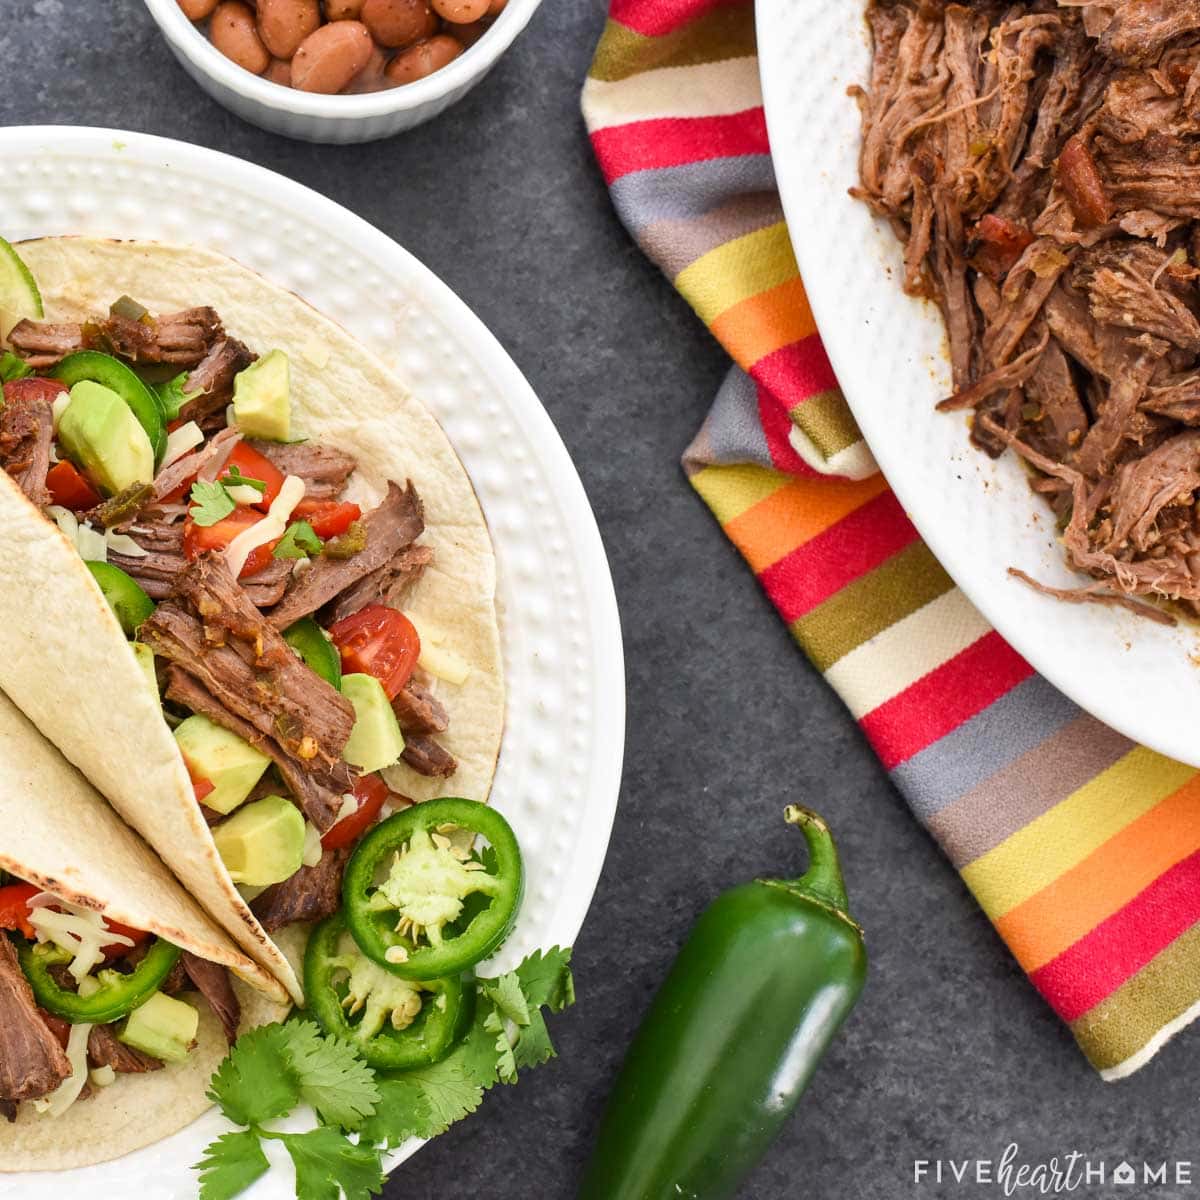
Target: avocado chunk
[145, 657]
[376, 741]
[262, 405]
[262, 843]
[101, 435]
[162, 1027]
[228, 762]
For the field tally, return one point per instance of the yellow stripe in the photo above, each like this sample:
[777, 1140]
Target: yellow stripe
[1038, 853]
[732, 489]
[737, 270]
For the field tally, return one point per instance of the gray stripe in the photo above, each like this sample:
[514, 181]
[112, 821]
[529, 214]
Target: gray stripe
[734, 430]
[689, 191]
[980, 747]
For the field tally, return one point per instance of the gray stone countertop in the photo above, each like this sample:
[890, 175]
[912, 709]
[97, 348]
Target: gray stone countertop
[951, 1054]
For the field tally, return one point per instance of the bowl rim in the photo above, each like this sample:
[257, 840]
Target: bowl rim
[188, 40]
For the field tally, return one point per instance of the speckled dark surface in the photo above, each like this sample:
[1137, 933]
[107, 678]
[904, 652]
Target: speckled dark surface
[950, 1054]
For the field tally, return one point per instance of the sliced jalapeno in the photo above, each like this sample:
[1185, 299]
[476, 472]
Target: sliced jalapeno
[439, 908]
[395, 1024]
[308, 640]
[125, 596]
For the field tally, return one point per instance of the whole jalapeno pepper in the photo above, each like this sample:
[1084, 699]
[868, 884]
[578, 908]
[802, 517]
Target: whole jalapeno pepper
[440, 908]
[766, 977]
[116, 995]
[401, 1024]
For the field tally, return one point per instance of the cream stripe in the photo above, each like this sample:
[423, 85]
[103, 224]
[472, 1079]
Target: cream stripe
[705, 90]
[905, 652]
[853, 462]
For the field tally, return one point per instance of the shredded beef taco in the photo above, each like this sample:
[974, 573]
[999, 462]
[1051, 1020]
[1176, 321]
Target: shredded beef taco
[116, 995]
[245, 586]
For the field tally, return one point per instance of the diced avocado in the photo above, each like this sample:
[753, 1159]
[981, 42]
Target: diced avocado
[262, 843]
[162, 1027]
[376, 741]
[227, 761]
[145, 657]
[262, 405]
[101, 435]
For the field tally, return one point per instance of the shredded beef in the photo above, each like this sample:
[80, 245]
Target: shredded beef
[32, 1063]
[44, 344]
[311, 894]
[418, 710]
[181, 339]
[212, 982]
[324, 469]
[386, 585]
[105, 1050]
[210, 381]
[391, 527]
[428, 757]
[1041, 164]
[26, 432]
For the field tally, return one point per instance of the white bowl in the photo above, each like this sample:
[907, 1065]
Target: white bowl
[312, 118]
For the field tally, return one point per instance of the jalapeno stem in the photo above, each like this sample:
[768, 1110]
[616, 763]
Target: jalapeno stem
[823, 879]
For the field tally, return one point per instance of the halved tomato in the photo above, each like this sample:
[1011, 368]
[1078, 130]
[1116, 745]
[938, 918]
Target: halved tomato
[378, 641]
[70, 488]
[198, 538]
[14, 907]
[251, 465]
[371, 792]
[33, 388]
[328, 518]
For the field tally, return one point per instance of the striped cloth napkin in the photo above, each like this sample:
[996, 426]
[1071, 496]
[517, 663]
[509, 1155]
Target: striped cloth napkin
[1081, 847]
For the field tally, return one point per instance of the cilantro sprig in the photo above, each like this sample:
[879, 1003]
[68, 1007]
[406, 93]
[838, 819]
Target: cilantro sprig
[361, 1115]
[210, 503]
[234, 478]
[299, 541]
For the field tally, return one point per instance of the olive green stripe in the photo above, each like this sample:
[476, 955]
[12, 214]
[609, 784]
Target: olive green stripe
[721, 34]
[897, 588]
[1123, 1023]
[826, 421]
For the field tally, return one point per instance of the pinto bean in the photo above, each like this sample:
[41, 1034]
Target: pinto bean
[396, 23]
[371, 78]
[343, 10]
[460, 12]
[197, 10]
[470, 34]
[423, 59]
[233, 33]
[280, 71]
[496, 7]
[330, 57]
[284, 24]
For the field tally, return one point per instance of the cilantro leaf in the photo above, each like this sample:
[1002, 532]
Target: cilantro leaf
[478, 1053]
[449, 1090]
[328, 1164]
[210, 503]
[171, 396]
[255, 1083]
[234, 478]
[534, 1046]
[11, 367]
[403, 1112]
[505, 993]
[332, 1076]
[546, 979]
[231, 1164]
[299, 541]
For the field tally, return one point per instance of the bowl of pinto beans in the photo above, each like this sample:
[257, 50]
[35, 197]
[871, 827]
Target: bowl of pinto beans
[339, 70]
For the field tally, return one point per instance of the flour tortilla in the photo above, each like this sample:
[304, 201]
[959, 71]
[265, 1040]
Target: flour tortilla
[63, 657]
[59, 834]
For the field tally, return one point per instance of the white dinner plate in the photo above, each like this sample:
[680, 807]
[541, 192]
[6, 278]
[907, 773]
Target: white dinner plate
[889, 352]
[560, 762]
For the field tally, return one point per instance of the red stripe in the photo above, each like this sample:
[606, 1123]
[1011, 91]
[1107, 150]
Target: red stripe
[662, 16]
[1102, 960]
[676, 141]
[776, 426]
[825, 564]
[796, 372]
[942, 700]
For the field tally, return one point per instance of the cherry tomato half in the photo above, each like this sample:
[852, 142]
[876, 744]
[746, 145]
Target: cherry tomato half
[119, 949]
[378, 641]
[251, 465]
[371, 792]
[198, 538]
[70, 488]
[328, 518]
[33, 388]
[14, 906]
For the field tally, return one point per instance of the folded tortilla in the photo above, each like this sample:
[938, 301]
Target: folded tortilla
[63, 656]
[59, 834]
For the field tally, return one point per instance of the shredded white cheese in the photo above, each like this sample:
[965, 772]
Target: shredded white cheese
[103, 1076]
[272, 526]
[435, 657]
[65, 519]
[349, 805]
[59, 407]
[80, 931]
[180, 442]
[67, 1092]
[242, 493]
[89, 543]
[122, 543]
[316, 352]
[312, 845]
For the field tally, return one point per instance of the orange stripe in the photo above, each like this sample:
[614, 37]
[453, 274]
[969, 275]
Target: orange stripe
[1054, 919]
[796, 513]
[761, 324]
